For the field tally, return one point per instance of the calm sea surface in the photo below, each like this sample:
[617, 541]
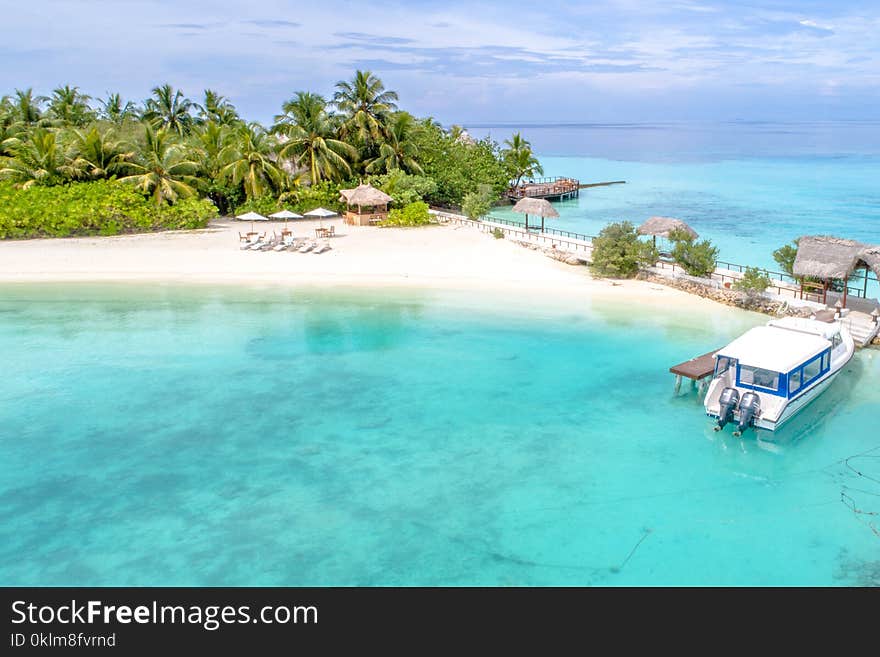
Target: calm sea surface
[749, 187]
[207, 436]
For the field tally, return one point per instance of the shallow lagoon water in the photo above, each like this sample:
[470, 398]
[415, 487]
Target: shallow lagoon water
[211, 436]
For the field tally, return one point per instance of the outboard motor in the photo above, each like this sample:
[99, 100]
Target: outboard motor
[749, 408]
[726, 406]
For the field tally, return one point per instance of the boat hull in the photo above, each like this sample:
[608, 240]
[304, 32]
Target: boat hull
[794, 405]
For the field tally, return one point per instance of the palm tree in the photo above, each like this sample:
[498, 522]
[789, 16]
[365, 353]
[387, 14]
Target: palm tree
[9, 127]
[169, 109]
[217, 108]
[365, 106]
[208, 141]
[115, 111]
[251, 162]
[520, 160]
[164, 172]
[95, 154]
[26, 107]
[399, 151]
[70, 107]
[311, 138]
[36, 160]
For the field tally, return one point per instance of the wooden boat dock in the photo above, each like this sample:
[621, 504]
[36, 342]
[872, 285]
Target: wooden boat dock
[696, 369]
[557, 188]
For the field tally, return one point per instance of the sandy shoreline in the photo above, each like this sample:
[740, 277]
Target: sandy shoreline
[456, 258]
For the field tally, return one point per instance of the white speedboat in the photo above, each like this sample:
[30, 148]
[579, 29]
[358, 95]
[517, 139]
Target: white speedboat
[771, 372]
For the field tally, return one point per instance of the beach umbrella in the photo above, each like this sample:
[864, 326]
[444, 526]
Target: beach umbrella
[286, 215]
[321, 213]
[536, 206]
[662, 226]
[252, 217]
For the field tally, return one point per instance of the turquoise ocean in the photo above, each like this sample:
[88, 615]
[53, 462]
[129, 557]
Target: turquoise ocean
[749, 187]
[173, 435]
[210, 436]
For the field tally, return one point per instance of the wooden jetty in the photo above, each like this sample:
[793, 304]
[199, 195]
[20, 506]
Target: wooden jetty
[557, 188]
[696, 369]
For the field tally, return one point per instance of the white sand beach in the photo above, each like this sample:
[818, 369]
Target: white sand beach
[435, 257]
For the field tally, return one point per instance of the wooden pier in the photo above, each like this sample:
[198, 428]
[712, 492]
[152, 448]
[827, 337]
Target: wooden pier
[696, 369]
[557, 188]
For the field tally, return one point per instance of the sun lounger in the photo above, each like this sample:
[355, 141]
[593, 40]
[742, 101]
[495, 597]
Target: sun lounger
[285, 243]
[308, 246]
[321, 248]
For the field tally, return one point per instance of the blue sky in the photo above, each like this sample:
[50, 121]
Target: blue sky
[470, 62]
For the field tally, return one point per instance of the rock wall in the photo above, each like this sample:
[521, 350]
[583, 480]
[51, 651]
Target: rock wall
[556, 254]
[755, 303]
[728, 297]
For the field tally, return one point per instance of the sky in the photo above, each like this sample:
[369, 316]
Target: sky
[468, 62]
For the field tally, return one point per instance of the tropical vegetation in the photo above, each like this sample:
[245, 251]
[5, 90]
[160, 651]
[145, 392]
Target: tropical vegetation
[414, 214]
[785, 256]
[176, 151]
[753, 282]
[696, 258]
[619, 253]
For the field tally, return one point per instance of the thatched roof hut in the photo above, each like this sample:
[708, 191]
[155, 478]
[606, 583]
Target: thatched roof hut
[871, 257]
[365, 196]
[662, 226]
[831, 258]
[826, 257]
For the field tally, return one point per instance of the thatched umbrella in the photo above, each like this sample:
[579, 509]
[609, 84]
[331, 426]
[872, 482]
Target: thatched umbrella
[663, 226]
[537, 206]
[286, 215]
[252, 217]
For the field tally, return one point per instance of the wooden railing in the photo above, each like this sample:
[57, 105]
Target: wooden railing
[547, 236]
[515, 230]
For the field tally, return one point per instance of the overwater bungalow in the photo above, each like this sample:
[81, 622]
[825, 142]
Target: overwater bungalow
[366, 205]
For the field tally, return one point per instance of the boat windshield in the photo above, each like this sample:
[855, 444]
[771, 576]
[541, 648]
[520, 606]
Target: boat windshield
[758, 377]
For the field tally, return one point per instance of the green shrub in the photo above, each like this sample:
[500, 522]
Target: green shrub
[414, 214]
[403, 187]
[476, 205]
[785, 256]
[104, 207]
[753, 282]
[498, 234]
[696, 258]
[618, 252]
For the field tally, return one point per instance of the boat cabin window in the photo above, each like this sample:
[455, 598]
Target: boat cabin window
[794, 382]
[808, 372]
[836, 340]
[812, 369]
[722, 364]
[758, 377]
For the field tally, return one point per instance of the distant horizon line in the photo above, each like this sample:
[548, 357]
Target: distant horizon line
[647, 123]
